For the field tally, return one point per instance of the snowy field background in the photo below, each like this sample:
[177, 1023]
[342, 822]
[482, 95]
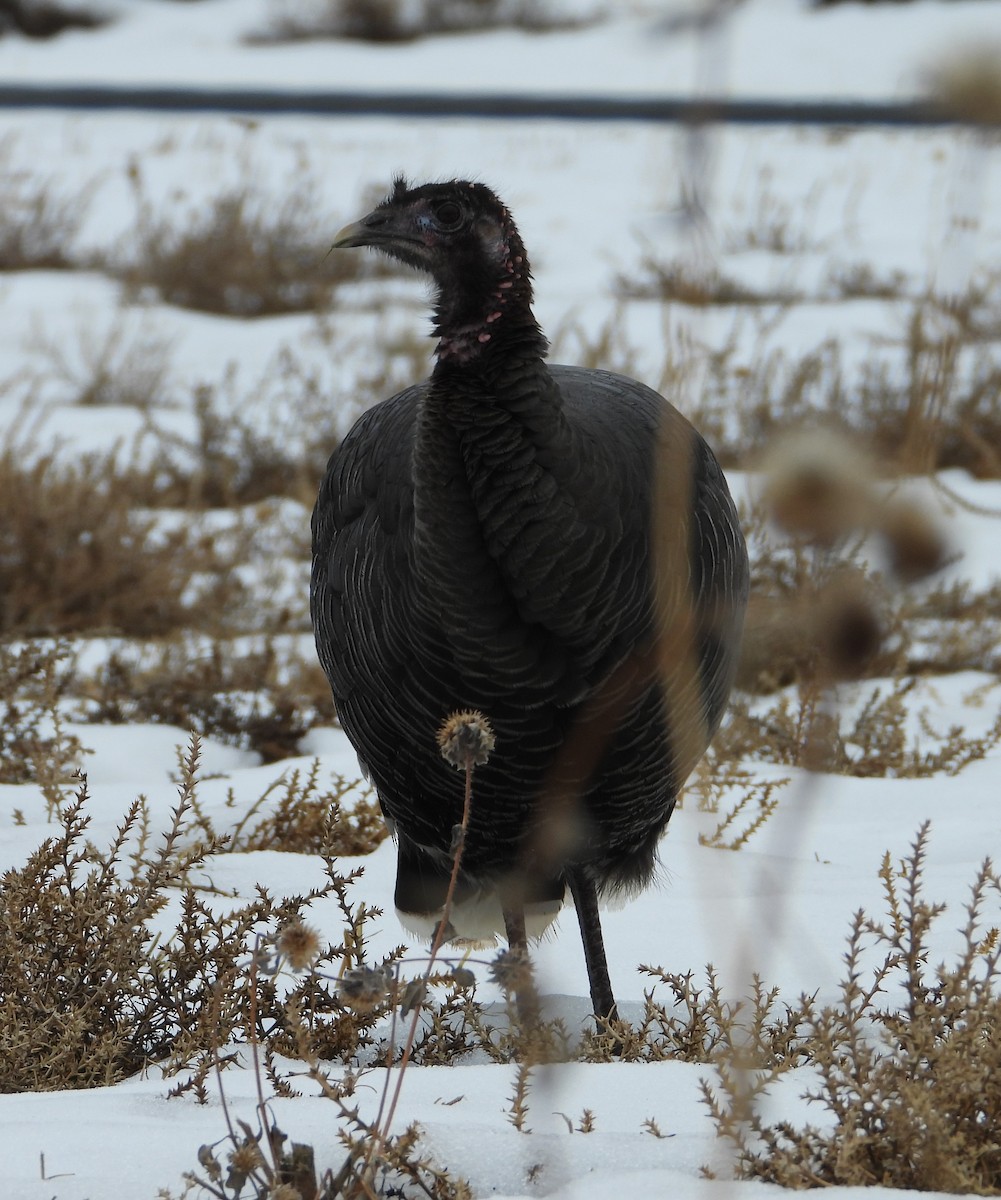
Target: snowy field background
[594, 202]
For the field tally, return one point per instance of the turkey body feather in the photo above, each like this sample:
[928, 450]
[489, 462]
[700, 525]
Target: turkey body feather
[534, 586]
[552, 546]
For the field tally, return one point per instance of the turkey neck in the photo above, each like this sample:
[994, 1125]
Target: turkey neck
[493, 515]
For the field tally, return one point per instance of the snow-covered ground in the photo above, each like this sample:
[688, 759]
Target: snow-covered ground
[592, 202]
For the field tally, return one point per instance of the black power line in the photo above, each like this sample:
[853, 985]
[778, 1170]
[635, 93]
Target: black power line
[275, 102]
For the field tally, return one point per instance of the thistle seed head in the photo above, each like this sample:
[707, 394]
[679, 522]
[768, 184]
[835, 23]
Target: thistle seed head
[463, 977]
[916, 546]
[465, 739]
[284, 1191]
[968, 84]
[849, 631]
[299, 945]
[511, 970]
[413, 995]
[818, 485]
[365, 988]
[247, 1157]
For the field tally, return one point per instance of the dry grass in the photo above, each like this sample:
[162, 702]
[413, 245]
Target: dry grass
[234, 458]
[122, 365]
[43, 19]
[773, 224]
[682, 281]
[944, 412]
[853, 281]
[398, 21]
[75, 557]
[241, 252]
[926, 400]
[947, 413]
[39, 219]
[249, 442]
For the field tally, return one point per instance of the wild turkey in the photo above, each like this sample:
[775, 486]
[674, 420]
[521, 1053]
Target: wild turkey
[552, 546]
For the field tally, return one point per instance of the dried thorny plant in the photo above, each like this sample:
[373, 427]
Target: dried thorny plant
[817, 622]
[87, 998]
[298, 814]
[91, 988]
[261, 1161]
[746, 815]
[376, 1158]
[259, 695]
[911, 1086]
[887, 735]
[952, 627]
[700, 1023]
[465, 740]
[377, 1162]
[329, 1016]
[35, 746]
[258, 1159]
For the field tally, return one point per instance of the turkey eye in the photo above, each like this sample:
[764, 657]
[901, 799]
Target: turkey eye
[448, 215]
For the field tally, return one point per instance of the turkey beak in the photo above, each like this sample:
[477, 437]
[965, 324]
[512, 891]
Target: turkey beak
[356, 234]
[379, 229]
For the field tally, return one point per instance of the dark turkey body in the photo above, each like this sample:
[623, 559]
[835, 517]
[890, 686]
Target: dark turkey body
[493, 552]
